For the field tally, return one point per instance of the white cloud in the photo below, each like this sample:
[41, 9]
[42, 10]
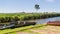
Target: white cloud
[50, 0]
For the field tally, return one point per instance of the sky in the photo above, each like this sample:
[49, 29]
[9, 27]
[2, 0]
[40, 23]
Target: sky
[16, 6]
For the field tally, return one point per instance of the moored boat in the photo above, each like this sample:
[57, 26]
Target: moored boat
[57, 23]
[16, 24]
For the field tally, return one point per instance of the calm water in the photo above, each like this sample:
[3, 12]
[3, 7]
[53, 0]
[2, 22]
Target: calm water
[42, 21]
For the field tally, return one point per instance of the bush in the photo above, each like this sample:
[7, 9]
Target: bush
[16, 18]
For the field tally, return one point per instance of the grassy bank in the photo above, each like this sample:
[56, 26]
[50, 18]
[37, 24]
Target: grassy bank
[22, 17]
[39, 29]
[8, 31]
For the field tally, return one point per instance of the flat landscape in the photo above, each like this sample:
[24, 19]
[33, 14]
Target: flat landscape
[32, 29]
[29, 16]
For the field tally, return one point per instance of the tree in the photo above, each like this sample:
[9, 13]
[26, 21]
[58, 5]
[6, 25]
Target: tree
[16, 18]
[37, 7]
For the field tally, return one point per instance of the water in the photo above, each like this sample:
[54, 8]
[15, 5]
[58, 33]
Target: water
[42, 21]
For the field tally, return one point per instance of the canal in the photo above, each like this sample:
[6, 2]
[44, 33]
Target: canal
[42, 21]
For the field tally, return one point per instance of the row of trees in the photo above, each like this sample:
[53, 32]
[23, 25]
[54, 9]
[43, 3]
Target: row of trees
[27, 17]
[38, 16]
[8, 19]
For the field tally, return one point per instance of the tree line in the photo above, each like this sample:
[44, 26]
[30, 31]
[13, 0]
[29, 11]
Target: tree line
[27, 17]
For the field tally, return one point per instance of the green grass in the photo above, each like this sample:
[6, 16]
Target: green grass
[19, 29]
[12, 33]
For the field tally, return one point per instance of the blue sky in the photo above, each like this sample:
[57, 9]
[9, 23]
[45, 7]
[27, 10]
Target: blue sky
[11, 6]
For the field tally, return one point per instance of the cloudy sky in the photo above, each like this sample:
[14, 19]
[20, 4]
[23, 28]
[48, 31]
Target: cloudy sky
[11, 6]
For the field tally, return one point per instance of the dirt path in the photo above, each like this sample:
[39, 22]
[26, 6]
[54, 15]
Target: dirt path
[26, 33]
[22, 33]
[48, 30]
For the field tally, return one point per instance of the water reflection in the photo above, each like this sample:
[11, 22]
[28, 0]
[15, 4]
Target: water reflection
[48, 19]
